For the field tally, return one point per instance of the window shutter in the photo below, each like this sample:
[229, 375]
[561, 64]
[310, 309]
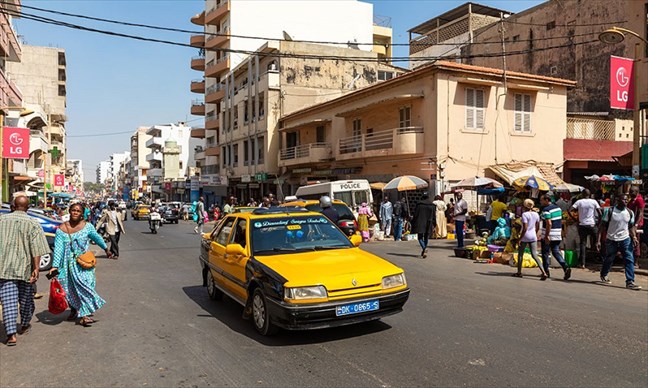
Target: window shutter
[479, 102]
[470, 110]
[518, 121]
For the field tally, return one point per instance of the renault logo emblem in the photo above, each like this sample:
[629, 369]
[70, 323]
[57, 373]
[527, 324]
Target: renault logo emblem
[354, 282]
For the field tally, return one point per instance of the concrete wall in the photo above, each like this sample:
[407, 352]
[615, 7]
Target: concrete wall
[588, 64]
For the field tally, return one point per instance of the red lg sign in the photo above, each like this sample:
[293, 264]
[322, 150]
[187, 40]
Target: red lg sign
[15, 143]
[621, 83]
[59, 180]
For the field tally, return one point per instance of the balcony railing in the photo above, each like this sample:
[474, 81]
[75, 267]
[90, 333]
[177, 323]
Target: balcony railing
[398, 140]
[590, 129]
[211, 169]
[302, 151]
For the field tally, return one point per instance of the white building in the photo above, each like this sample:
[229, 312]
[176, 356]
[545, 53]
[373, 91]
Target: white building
[116, 161]
[139, 165]
[102, 171]
[168, 144]
[74, 174]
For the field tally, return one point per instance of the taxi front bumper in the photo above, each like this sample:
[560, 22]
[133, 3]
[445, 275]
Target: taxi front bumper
[299, 317]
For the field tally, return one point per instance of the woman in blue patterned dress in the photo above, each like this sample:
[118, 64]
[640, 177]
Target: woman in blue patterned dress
[72, 239]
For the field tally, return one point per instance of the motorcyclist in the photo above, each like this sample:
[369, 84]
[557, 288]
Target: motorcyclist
[153, 211]
[328, 210]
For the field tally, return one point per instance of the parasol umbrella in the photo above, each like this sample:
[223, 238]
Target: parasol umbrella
[533, 182]
[568, 188]
[406, 182]
[474, 182]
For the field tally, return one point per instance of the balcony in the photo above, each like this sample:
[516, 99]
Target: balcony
[304, 154]
[390, 142]
[197, 86]
[57, 130]
[197, 108]
[197, 41]
[154, 172]
[211, 169]
[9, 40]
[214, 15]
[37, 141]
[211, 121]
[199, 153]
[13, 95]
[154, 142]
[217, 67]
[212, 151]
[199, 19]
[215, 93]
[590, 129]
[154, 157]
[198, 63]
[198, 133]
[218, 39]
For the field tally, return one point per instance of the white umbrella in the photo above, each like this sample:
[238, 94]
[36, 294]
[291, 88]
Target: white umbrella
[569, 187]
[475, 182]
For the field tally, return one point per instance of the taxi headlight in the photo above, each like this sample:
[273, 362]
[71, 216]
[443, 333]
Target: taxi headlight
[315, 292]
[394, 281]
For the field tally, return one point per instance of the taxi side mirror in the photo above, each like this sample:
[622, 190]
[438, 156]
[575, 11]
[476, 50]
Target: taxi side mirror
[235, 249]
[356, 239]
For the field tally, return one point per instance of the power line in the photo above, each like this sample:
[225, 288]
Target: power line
[169, 29]
[102, 134]
[288, 55]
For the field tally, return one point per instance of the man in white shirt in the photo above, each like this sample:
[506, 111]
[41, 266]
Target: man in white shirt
[621, 237]
[460, 210]
[588, 211]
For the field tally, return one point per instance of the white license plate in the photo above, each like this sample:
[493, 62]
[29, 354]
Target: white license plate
[356, 308]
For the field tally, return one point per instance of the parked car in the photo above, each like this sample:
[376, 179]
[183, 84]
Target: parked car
[49, 226]
[347, 221]
[292, 268]
[169, 214]
[141, 211]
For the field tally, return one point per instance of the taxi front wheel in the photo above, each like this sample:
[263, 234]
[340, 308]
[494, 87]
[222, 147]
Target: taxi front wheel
[260, 314]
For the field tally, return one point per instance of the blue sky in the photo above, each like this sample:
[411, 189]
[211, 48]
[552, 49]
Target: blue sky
[116, 84]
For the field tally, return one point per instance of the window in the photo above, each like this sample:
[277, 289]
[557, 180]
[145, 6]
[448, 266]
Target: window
[474, 109]
[261, 106]
[357, 135]
[320, 134]
[292, 139]
[235, 153]
[405, 114]
[224, 232]
[61, 90]
[235, 116]
[523, 113]
[246, 153]
[385, 75]
[260, 145]
[551, 25]
[224, 148]
[238, 235]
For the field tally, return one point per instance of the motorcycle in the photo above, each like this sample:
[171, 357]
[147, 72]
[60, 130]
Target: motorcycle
[155, 221]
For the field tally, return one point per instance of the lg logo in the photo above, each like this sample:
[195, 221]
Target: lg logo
[15, 139]
[621, 77]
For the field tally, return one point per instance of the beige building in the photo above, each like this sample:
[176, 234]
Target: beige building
[138, 164]
[41, 76]
[442, 122]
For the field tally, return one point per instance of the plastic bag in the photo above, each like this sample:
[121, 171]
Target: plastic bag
[57, 298]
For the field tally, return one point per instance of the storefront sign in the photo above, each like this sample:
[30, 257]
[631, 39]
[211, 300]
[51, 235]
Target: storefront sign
[621, 83]
[246, 178]
[167, 186]
[59, 180]
[301, 170]
[15, 143]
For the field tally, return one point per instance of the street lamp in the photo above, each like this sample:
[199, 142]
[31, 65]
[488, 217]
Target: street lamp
[616, 35]
[4, 171]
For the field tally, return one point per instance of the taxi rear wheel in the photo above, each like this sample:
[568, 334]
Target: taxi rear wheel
[261, 315]
[213, 291]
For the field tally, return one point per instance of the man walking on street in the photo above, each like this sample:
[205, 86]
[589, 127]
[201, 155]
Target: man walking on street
[114, 227]
[200, 212]
[460, 211]
[588, 209]
[22, 242]
[621, 237]
[399, 214]
[423, 222]
[386, 213]
[551, 235]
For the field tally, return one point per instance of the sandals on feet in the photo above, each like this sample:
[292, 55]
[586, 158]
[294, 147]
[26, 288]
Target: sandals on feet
[86, 321]
[517, 275]
[10, 342]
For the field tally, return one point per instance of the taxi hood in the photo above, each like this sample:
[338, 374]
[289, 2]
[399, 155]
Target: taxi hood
[333, 268]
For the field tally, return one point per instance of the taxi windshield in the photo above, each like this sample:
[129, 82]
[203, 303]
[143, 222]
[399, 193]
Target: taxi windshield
[296, 234]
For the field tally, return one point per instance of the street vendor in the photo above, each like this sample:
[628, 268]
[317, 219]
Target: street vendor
[501, 234]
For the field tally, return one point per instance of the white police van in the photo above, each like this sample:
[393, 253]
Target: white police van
[353, 192]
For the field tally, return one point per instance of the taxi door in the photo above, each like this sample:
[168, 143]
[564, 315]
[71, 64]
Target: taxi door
[217, 253]
[234, 265]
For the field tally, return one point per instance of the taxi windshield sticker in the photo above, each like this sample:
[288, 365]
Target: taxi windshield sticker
[290, 223]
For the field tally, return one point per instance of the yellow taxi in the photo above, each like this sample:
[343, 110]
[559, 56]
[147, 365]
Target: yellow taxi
[141, 211]
[293, 269]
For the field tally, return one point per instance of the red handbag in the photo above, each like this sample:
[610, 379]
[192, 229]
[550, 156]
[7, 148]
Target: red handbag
[57, 301]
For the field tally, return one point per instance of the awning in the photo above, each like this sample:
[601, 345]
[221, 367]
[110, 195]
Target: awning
[400, 98]
[509, 172]
[377, 185]
[311, 122]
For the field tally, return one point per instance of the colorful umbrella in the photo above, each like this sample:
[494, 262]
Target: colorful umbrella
[405, 182]
[533, 182]
[569, 188]
[474, 182]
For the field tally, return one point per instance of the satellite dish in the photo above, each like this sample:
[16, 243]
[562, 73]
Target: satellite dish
[286, 36]
[354, 44]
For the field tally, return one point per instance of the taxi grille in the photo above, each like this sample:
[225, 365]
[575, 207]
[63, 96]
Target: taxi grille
[353, 292]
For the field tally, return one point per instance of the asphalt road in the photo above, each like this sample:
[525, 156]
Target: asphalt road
[465, 324]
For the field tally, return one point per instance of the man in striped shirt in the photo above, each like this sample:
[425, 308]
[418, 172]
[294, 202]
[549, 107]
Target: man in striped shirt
[551, 235]
[22, 242]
